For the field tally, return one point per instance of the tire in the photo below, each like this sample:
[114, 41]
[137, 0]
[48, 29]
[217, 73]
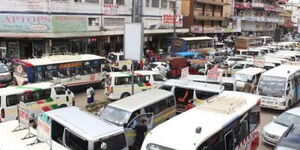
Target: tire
[124, 68]
[289, 104]
[102, 84]
[62, 106]
[125, 95]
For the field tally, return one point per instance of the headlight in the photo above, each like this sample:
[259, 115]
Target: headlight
[281, 103]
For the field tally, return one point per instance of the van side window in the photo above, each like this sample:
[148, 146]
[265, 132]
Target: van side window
[44, 94]
[29, 97]
[60, 90]
[12, 100]
[160, 106]
[145, 79]
[122, 80]
[166, 87]
[158, 77]
[204, 94]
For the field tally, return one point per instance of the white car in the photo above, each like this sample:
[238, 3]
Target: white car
[159, 67]
[232, 60]
[275, 129]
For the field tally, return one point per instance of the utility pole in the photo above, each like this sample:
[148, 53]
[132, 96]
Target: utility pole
[174, 19]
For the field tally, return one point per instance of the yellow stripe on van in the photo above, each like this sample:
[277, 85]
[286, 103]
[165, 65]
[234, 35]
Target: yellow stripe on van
[164, 116]
[34, 105]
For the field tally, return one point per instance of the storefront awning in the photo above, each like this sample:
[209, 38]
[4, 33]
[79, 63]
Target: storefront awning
[84, 34]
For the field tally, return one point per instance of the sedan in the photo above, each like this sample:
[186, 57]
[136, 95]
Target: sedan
[275, 129]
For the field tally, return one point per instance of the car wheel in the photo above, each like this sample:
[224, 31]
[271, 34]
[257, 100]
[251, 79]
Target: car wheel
[125, 95]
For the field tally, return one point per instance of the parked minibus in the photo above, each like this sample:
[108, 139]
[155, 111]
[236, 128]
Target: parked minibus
[118, 84]
[228, 121]
[279, 87]
[228, 83]
[155, 106]
[190, 90]
[118, 61]
[248, 76]
[38, 97]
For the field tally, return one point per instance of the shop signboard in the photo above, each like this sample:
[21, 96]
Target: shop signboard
[168, 20]
[24, 116]
[25, 23]
[196, 29]
[110, 9]
[44, 129]
[69, 23]
[258, 5]
[36, 5]
[208, 29]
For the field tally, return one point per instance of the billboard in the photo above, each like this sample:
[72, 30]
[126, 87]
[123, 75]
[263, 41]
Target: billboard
[168, 20]
[134, 41]
[69, 23]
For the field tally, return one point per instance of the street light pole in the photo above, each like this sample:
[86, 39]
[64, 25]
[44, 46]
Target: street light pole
[174, 19]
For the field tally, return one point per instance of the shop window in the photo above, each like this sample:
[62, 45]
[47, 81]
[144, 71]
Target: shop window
[108, 2]
[164, 3]
[114, 21]
[155, 3]
[147, 3]
[92, 1]
[93, 21]
[171, 5]
[120, 2]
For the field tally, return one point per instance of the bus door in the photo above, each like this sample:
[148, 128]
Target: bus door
[130, 127]
[229, 140]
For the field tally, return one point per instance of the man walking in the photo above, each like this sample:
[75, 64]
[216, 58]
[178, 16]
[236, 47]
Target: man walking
[90, 93]
[140, 130]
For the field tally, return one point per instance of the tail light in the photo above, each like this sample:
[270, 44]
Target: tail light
[2, 113]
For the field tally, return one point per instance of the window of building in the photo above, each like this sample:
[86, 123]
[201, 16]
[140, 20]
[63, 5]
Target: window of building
[92, 1]
[164, 3]
[114, 21]
[155, 3]
[77, 0]
[120, 2]
[147, 3]
[93, 21]
[171, 5]
[108, 2]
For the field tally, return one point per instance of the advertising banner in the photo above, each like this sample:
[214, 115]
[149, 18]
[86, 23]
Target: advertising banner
[184, 74]
[168, 20]
[110, 9]
[69, 24]
[24, 116]
[196, 29]
[44, 128]
[25, 23]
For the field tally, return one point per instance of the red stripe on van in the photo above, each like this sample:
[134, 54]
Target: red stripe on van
[46, 108]
[40, 102]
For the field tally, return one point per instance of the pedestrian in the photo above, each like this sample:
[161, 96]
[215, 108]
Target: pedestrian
[90, 93]
[140, 130]
[190, 105]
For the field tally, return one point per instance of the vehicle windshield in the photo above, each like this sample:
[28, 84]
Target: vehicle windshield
[271, 86]
[153, 65]
[115, 115]
[287, 119]
[242, 77]
[284, 148]
[3, 69]
[112, 57]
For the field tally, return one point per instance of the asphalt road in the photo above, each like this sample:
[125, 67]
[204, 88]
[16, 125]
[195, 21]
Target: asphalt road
[266, 114]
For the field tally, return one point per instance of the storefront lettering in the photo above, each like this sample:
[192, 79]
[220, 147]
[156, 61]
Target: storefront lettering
[27, 19]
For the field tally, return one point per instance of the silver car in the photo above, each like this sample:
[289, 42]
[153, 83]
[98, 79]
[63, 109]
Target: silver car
[275, 129]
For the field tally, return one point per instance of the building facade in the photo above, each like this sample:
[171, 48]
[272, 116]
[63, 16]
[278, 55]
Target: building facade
[258, 17]
[209, 17]
[30, 28]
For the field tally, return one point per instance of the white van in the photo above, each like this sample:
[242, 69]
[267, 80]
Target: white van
[238, 66]
[187, 90]
[60, 130]
[228, 82]
[118, 61]
[155, 105]
[118, 84]
[38, 97]
[248, 76]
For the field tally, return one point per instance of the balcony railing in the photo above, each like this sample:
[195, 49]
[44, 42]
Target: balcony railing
[208, 15]
[260, 19]
[200, 29]
[212, 2]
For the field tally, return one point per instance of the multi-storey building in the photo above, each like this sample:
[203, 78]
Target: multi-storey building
[258, 17]
[208, 16]
[295, 9]
[33, 27]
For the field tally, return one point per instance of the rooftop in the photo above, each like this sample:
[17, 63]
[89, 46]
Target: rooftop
[282, 71]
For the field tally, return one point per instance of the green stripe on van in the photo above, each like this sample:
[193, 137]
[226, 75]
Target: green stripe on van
[49, 100]
[54, 106]
[29, 88]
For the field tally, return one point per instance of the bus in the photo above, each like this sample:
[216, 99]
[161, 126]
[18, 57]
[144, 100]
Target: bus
[196, 44]
[70, 70]
[279, 87]
[247, 42]
[225, 122]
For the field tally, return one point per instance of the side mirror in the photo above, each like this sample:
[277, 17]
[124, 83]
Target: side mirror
[103, 146]
[125, 125]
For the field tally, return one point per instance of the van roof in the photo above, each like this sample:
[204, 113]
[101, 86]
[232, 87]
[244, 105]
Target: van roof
[141, 99]
[204, 78]
[129, 73]
[196, 38]
[117, 53]
[57, 59]
[22, 88]
[195, 85]
[84, 124]
[282, 71]
[250, 71]
[201, 116]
